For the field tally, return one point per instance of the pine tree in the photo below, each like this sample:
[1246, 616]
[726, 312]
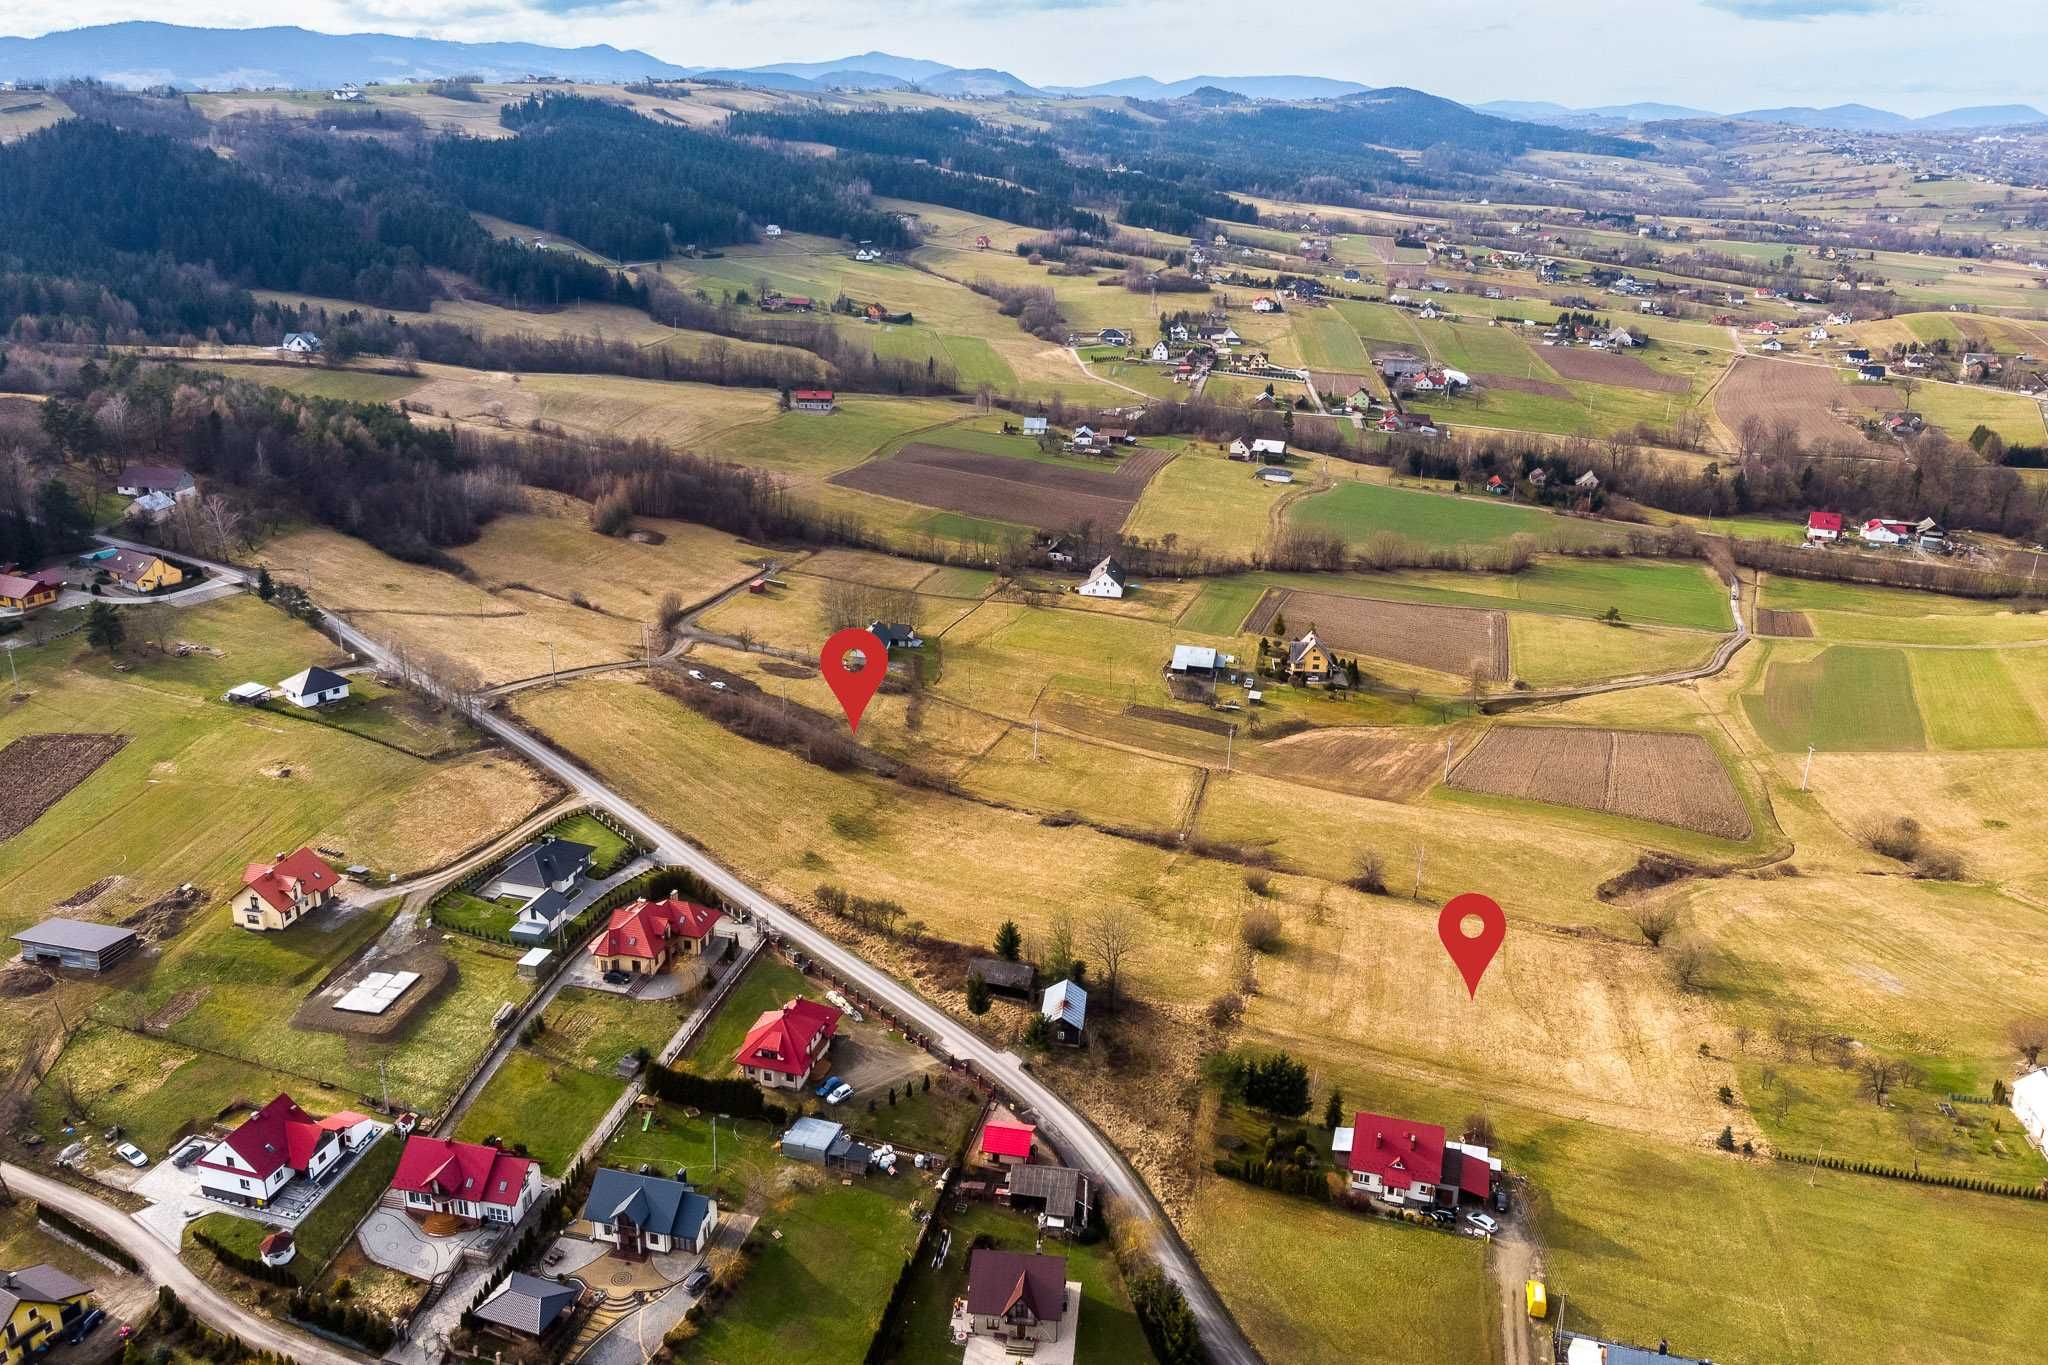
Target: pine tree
[103, 628]
[1333, 1112]
[1009, 941]
[977, 994]
[265, 589]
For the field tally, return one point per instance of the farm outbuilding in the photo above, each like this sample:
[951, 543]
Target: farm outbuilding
[76, 943]
[1000, 974]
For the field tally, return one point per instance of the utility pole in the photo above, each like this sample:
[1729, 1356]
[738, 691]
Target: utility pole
[384, 1084]
[13, 675]
[553, 681]
[1804, 776]
[1418, 871]
[1034, 739]
[1229, 746]
[1447, 758]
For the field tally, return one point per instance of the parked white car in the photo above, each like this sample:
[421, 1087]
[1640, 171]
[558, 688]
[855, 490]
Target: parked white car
[697, 675]
[1484, 1222]
[131, 1154]
[840, 1095]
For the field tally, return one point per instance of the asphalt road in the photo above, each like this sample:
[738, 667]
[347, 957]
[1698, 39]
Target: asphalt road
[160, 1265]
[1062, 1124]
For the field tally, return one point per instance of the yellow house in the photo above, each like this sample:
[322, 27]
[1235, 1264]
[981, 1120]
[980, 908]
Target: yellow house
[139, 571]
[37, 1303]
[1307, 659]
[22, 593]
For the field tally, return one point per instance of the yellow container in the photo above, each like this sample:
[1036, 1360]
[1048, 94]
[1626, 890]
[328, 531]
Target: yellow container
[1539, 1302]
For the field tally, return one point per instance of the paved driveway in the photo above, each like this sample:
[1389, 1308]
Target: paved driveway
[634, 1340]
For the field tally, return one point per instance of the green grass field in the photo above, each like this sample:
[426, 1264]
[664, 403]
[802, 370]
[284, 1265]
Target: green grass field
[1327, 341]
[609, 849]
[1845, 698]
[769, 983]
[315, 381]
[1969, 700]
[594, 1029]
[1357, 511]
[1648, 592]
[1204, 500]
[1221, 607]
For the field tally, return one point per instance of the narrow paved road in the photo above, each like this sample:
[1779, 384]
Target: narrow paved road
[1064, 1125]
[161, 1265]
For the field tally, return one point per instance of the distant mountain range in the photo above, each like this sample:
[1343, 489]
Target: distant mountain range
[138, 54]
[1856, 118]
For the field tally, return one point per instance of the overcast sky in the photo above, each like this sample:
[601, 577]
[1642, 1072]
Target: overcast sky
[1913, 56]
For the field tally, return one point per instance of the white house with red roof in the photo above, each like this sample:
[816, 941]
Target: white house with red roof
[1401, 1161]
[1883, 531]
[1822, 527]
[785, 1045]
[465, 1180]
[813, 400]
[648, 937]
[276, 894]
[277, 1144]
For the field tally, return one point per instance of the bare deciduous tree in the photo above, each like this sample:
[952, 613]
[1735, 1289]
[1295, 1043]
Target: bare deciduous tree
[2029, 1037]
[1688, 962]
[1653, 922]
[1112, 939]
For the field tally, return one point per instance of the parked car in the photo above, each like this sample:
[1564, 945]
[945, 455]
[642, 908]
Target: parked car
[616, 978]
[697, 1280]
[188, 1154]
[1442, 1217]
[840, 1094]
[831, 1083]
[1483, 1222]
[84, 1326]
[717, 686]
[131, 1154]
[697, 675]
[1500, 1199]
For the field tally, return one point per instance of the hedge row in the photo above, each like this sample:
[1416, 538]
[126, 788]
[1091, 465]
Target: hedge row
[84, 1235]
[1282, 1176]
[1952, 1182]
[742, 1099]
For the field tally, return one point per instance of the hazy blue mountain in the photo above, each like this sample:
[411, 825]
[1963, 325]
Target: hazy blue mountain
[980, 80]
[137, 54]
[1528, 111]
[1256, 87]
[1859, 118]
[907, 69]
[1563, 116]
[1983, 116]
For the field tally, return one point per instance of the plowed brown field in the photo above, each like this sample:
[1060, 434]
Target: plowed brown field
[1672, 779]
[1789, 624]
[1605, 367]
[1804, 395]
[1388, 764]
[36, 771]
[1028, 492]
[1447, 639]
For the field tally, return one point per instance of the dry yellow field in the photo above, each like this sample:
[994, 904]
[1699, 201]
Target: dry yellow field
[687, 416]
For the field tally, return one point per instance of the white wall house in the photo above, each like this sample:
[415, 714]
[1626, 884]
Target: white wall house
[2030, 1104]
[315, 686]
[1104, 580]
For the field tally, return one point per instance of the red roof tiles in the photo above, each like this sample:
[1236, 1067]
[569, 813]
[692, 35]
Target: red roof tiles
[1399, 1151]
[642, 928]
[788, 1040]
[460, 1170]
[275, 881]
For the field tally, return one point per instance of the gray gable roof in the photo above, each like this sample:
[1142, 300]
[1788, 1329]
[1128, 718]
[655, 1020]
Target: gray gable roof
[547, 861]
[667, 1207]
[314, 679]
[527, 1303]
[36, 1284]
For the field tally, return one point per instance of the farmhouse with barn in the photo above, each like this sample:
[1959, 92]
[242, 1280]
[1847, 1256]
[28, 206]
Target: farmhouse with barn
[1401, 1161]
[1823, 527]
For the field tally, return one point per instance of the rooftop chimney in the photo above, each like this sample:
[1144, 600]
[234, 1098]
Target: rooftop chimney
[1411, 1142]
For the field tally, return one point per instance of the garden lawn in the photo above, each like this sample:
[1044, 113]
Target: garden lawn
[472, 914]
[1359, 510]
[609, 848]
[545, 1106]
[769, 984]
[817, 1292]
[1298, 1276]
[1108, 1332]
[749, 1152]
[1846, 698]
[594, 1029]
[1221, 607]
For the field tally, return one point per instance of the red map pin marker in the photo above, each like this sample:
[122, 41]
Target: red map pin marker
[854, 690]
[1472, 954]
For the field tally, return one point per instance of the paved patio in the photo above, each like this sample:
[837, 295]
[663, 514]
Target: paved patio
[393, 1240]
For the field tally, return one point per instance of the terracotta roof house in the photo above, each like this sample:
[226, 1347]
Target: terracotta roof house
[785, 1045]
[277, 1144]
[1823, 526]
[1016, 1298]
[276, 894]
[19, 592]
[640, 1214]
[529, 1305]
[1309, 660]
[812, 400]
[465, 1180]
[648, 937]
[278, 1248]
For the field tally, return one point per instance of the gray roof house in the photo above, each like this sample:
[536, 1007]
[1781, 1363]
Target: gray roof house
[1000, 974]
[1066, 1007]
[895, 635]
[1062, 1195]
[1199, 659]
[315, 686]
[76, 943]
[528, 1304]
[825, 1143]
[548, 864]
[644, 1213]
